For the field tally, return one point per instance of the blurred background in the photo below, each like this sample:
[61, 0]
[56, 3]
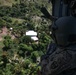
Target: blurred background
[24, 35]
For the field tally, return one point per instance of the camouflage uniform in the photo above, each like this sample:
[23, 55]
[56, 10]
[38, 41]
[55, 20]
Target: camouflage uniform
[60, 62]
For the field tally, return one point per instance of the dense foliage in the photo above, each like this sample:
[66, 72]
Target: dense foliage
[20, 55]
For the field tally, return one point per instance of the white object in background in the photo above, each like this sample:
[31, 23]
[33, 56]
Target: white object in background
[50, 32]
[31, 33]
[11, 28]
[34, 38]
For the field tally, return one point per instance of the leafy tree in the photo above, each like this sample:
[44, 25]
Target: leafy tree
[2, 23]
[26, 40]
[25, 50]
[34, 56]
[7, 42]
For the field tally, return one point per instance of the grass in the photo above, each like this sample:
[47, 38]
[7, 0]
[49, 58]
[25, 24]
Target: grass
[17, 19]
[8, 2]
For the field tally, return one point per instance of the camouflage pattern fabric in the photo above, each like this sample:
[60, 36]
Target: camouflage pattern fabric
[62, 59]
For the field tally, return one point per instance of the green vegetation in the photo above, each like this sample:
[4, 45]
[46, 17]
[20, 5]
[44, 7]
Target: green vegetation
[20, 55]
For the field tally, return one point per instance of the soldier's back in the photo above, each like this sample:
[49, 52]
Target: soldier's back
[61, 61]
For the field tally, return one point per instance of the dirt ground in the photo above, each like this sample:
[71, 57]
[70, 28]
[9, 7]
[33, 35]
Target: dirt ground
[4, 31]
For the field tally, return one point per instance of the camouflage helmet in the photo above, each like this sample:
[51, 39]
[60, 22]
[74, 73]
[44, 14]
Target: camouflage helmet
[64, 31]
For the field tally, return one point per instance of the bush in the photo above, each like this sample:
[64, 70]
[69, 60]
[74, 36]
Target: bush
[34, 56]
[8, 43]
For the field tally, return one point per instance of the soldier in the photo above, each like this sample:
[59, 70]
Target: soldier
[60, 59]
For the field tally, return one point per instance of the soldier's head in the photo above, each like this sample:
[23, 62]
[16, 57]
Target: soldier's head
[64, 31]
